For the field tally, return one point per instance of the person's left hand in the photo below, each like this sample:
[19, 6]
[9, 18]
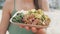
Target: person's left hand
[34, 29]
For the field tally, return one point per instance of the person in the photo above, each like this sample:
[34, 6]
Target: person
[11, 6]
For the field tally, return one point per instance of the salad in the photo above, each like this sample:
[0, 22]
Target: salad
[33, 16]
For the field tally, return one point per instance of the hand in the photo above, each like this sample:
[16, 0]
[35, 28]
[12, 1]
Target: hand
[34, 29]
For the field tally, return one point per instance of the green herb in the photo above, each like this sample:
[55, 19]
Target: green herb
[18, 18]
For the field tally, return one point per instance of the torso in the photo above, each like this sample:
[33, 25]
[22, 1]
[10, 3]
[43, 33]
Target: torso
[22, 5]
[14, 29]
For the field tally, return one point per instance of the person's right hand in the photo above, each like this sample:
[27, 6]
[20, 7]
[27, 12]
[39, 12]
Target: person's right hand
[34, 29]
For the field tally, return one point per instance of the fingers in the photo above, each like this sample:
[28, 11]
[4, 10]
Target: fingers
[34, 29]
[38, 30]
[21, 26]
[27, 28]
[41, 31]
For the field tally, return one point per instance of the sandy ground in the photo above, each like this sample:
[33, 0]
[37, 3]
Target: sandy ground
[54, 27]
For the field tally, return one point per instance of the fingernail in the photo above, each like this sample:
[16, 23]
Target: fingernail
[34, 29]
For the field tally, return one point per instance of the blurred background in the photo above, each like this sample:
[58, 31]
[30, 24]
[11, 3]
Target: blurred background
[54, 15]
[1, 3]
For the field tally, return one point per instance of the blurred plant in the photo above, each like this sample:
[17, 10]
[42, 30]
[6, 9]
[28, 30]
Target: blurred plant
[1, 3]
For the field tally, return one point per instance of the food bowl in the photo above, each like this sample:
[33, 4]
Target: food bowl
[31, 18]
